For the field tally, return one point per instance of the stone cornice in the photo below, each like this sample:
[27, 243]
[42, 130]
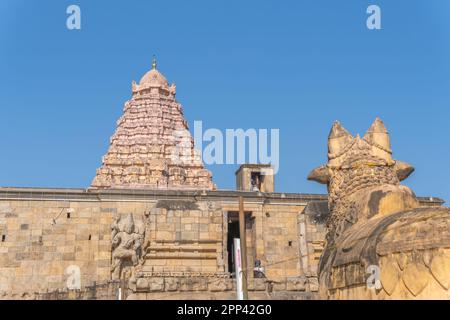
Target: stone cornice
[61, 194]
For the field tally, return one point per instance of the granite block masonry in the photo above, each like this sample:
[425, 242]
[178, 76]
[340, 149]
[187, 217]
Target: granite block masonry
[154, 225]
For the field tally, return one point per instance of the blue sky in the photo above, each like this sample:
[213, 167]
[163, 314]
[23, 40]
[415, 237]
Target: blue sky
[292, 65]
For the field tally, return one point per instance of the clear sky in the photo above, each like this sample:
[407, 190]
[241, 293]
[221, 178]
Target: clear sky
[292, 65]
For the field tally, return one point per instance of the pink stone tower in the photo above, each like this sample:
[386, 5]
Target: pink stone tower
[152, 147]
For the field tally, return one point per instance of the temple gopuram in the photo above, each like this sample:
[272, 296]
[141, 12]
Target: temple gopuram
[152, 147]
[153, 225]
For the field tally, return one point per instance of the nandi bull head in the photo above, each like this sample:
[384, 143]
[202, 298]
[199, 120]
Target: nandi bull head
[362, 178]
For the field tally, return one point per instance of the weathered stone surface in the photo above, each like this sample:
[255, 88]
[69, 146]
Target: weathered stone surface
[220, 285]
[390, 275]
[156, 284]
[313, 284]
[376, 223]
[415, 278]
[171, 284]
[440, 269]
[193, 284]
[298, 284]
[142, 284]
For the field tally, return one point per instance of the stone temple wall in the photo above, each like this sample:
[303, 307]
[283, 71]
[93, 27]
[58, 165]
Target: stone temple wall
[47, 236]
[41, 242]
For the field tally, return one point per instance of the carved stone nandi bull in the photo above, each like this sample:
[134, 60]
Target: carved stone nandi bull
[380, 244]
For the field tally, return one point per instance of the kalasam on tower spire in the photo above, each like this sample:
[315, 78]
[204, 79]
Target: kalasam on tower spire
[154, 63]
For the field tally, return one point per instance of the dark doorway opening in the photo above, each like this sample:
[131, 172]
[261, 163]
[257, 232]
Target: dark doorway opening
[233, 232]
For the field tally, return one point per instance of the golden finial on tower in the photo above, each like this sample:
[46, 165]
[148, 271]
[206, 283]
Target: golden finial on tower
[154, 63]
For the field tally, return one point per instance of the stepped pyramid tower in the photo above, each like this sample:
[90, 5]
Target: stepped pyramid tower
[152, 147]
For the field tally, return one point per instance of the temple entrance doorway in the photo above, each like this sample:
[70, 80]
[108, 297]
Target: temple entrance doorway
[233, 232]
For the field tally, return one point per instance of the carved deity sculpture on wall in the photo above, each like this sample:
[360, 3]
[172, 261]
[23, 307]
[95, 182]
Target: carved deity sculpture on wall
[127, 238]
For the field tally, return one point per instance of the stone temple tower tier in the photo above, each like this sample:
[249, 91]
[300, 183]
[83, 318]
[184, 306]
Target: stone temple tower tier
[152, 147]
